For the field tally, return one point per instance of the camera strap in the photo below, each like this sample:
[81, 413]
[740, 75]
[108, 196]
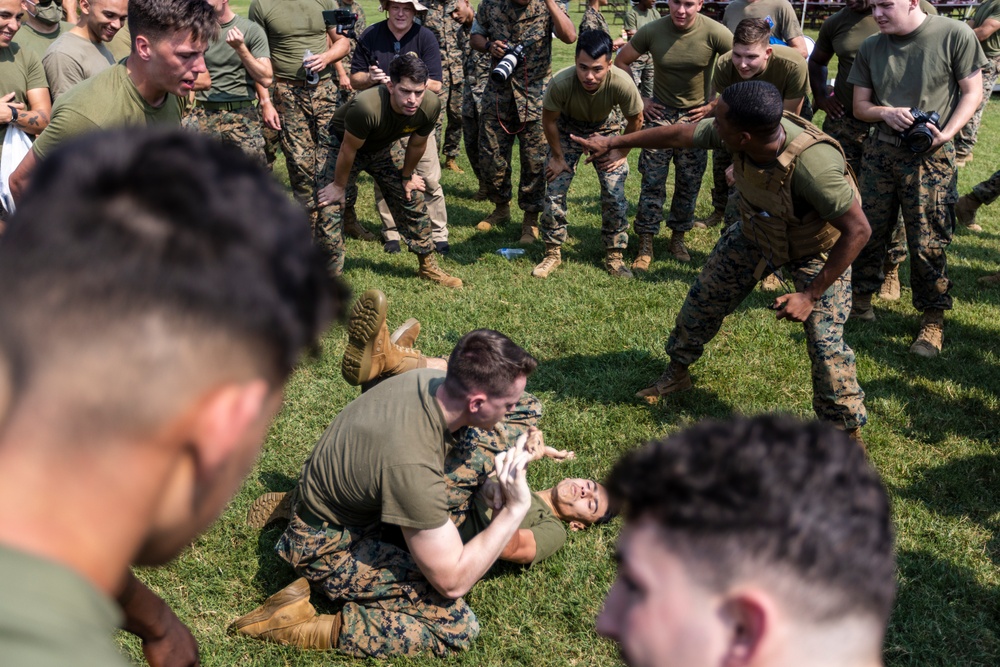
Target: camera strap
[524, 123]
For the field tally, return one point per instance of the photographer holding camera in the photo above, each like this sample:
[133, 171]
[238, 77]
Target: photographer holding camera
[919, 65]
[512, 101]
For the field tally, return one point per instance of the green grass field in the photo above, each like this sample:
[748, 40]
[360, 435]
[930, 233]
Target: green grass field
[932, 432]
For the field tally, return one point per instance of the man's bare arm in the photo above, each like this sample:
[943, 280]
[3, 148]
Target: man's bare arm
[799, 44]
[625, 57]
[986, 30]
[680, 135]
[19, 180]
[521, 548]
[561, 24]
[166, 641]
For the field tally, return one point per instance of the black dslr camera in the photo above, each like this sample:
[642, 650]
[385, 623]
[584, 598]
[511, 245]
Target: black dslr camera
[917, 137]
[511, 59]
[343, 19]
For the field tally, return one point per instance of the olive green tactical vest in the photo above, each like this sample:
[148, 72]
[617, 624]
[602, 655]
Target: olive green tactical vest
[766, 205]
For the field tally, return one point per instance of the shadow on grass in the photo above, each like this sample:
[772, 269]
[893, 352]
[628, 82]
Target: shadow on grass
[964, 488]
[936, 596]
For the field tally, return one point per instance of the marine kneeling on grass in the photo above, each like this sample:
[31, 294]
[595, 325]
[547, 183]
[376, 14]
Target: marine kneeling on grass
[798, 208]
[381, 498]
[585, 99]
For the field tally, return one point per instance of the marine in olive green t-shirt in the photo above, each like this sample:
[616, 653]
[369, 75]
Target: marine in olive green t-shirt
[988, 10]
[921, 69]
[818, 182]
[103, 102]
[369, 116]
[682, 59]
[39, 42]
[546, 528]
[785, 24]
[786, 69]
[72, 59]
[20, 71]
[292, 27]
[230, 80]
[382, 458]
[566, 95]
[50, 616]
[635, 18]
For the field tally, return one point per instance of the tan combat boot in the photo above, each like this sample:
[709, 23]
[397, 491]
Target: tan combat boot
[288, 618]
[353, 228]
[406, 333]
[645, 255]
[498, 218]
[930, 340]
[615, 264]
[676, 378]
[855, 435]
[677, 247]
[771, 282]
[369, 352]
[861, 308]
[890, 289]
[710, 221]
[965, 211]
[270, 507]
[451, 165]
[529, 228]
[552, 259]
[429, 270]
[987, 281]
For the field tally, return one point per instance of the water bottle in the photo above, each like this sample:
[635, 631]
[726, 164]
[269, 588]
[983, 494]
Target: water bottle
[312, 78]
[510, 253]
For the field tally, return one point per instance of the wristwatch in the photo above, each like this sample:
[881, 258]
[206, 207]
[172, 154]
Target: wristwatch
[13, 114]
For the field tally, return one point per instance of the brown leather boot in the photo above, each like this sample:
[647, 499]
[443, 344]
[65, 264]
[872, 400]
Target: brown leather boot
[369, 352]
[645, 255]
[270, 507]
[710, 221]
[771, 283]
[353, 228]
[677, 247]
[429, 270]
[615, 264]
[498, 218]
[482, 194]
[451, 165]
[965, 211]
[930, 340]
[288, 618]
[406, 334]
[529, 228]
[861, 308]
[855, 435]
[676, 378]
[552, 259]
[987, 281]
[890, 289]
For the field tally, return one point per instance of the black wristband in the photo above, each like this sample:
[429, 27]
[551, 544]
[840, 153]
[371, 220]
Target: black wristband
[13, 114]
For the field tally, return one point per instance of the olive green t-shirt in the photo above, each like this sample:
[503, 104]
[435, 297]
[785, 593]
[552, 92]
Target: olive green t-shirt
[292, 27]
[102, 102]
[20, 71]
[545, 527]
[72, 59]
[566, 95]
[369, 116]
[785, 22]
[818, 182]
[382, 458]
[635, 18]
[786, 69]
[230, 80]
[988, 10]
[921, 69]
[50, 616]
[39, 42]
[121, 45]
[682, 60]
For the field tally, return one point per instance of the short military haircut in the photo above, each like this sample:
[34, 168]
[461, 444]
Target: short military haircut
[754, 106]
[410, 66]
[156, 19]
[486, 360]
[795, 505]
[595, 43]
[149, 262]
[752, 31]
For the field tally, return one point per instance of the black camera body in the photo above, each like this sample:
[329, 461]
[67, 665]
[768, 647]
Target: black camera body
[343, 19]
[917, 137]
[511, 59]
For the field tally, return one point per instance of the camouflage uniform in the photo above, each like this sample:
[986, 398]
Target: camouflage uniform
[240, 127]
[385, 167]
[477, 73]
[514, 109]
[728, 278]
[390, 607]
[593, 20]
[345, 96]
[966, 138]
[654, 165]
[438, 20]
[987, 192]
[925, 188]
[614, 206]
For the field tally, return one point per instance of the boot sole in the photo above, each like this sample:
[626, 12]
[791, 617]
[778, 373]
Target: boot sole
[295, 591]
[652, 394]
[367, 317]
[269, 508]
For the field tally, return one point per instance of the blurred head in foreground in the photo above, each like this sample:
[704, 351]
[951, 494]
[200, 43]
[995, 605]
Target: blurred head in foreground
[751, 542]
